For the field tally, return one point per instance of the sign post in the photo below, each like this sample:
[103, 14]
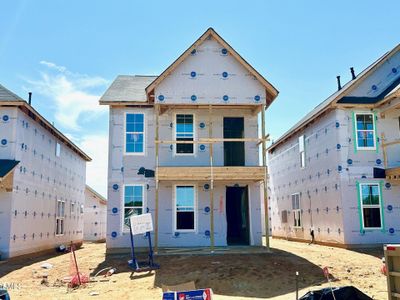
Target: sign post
[141, 224]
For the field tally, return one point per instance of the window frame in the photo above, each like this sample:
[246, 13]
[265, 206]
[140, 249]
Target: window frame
[379, 205]
[58, 149]
[143, 153]
[175, 135]
[373, 131]
[60, 217]
[125, 228]
[195, 218]
[302, 152]
[297, 211]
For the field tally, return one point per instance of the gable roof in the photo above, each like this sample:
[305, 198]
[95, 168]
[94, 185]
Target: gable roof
[7, 95]
[102, 200]
[334, 98]
[127, 88]
[271, 91]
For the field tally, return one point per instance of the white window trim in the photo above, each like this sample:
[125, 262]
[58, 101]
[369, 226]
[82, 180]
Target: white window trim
[58, 149]
[297, 210]
[373, 130]
[371, 206]
[72, 208]
[61, 218]
[195, 208]
[143, 153]
[124, 229]
[302, 152]
[194, 135]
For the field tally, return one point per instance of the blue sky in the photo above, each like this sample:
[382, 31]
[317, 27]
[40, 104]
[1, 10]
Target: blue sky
[68, 52]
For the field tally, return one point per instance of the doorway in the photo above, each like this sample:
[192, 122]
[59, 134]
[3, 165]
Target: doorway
[237, 216]
[234, 151]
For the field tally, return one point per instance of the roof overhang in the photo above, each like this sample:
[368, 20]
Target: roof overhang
[333, 101]
[271, 91]
[31, 112]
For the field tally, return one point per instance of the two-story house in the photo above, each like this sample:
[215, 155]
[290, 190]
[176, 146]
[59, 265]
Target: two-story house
[336, 173]
[42, 181]
[185, 146]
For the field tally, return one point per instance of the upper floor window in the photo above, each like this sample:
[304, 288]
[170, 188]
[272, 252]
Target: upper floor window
[371, 205]
[365, 131]
[133, 201]
[302, 153]
[184, 132]
[134, 133]
[296, 210]
[58, 149]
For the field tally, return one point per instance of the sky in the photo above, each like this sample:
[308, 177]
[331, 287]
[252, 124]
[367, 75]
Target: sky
[68, 52]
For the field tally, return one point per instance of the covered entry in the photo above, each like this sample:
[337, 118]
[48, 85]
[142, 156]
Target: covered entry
[237, 216]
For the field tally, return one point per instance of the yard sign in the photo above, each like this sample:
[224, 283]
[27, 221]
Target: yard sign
[141, 224]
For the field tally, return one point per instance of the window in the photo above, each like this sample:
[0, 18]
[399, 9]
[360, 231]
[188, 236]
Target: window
[72, 208]
[60, 217]
[365, 131]
[133, 201]
[371, 205]
[302, 154]
[184, 208]
[58, 149]
[134, 135]
[184, 132]
[81, 209]
[296, 210]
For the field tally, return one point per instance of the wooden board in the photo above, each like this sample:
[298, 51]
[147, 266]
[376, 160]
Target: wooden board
[204, 173]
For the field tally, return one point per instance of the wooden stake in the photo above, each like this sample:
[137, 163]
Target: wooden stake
[76, 263]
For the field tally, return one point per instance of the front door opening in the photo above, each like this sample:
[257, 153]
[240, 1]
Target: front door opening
[237, 215]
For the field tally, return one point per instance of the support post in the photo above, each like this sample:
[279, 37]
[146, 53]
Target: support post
[210, 125]
[264, 161]
[157, 111]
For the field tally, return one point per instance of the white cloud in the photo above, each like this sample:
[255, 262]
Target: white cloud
[73, 94]
[96, 146]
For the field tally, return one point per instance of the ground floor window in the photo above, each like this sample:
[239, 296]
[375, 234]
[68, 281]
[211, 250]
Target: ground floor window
[133, 201]
[296, 210]
[371, 205]
[185, 208]
[60, 217]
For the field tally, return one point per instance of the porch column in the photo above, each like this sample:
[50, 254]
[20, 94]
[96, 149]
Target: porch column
[264, 159]
[211, 180]
[157, 110]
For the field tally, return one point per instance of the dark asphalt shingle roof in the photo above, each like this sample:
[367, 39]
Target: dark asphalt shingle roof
[128, 88]
[7, 95]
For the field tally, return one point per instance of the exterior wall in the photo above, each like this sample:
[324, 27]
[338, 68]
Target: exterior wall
[95, 218]
[123, 170]
[39, 180]
[209, 84]
[318, 184]
[7, 151]
[348, 167]
[358, 168]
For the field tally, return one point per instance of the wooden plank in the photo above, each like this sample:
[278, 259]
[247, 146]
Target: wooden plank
[204, 173]
[214, 140]
[264, 159]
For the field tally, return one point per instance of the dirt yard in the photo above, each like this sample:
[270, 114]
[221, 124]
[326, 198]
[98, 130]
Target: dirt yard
[231, 276]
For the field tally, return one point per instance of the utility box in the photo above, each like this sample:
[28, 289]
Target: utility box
[392, 261]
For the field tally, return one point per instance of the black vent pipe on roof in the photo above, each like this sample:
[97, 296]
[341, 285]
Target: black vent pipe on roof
[339, 86]
[353, 74]
[30, 98]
